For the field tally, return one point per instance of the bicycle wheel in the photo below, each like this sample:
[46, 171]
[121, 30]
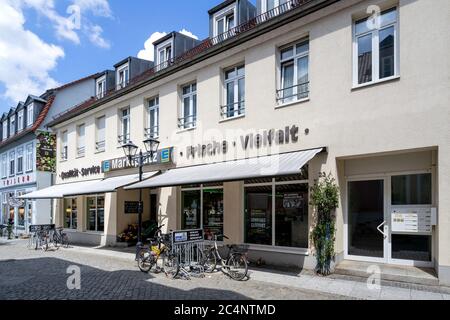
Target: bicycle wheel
[65, 240]
[44, 244]
[145, 260]
[209, 261]
[55, 240]
[171, 266]
[237, 266]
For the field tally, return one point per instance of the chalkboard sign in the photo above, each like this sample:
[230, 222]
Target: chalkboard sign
[185, 236]
[132, 207]
[42, 227]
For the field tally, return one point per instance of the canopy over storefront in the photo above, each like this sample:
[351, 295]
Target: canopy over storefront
[85, 187]
[266, 166]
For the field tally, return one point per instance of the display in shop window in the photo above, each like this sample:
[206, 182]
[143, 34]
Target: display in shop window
[46, 152]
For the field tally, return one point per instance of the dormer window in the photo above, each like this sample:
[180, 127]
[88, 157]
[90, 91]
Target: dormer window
[123, 77]
[20, 120]
[165, 54]
[30, 115]
[101, 87]
[224, 21]
[12, 126]
[5, 130]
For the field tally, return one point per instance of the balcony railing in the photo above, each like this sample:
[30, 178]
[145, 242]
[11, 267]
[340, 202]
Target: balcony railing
[232, 109]
[123, 139]
[122, 85]
[100, 146]
[293, 93]
[187, 122]
[81, 151]
[151, 133]
[100, 94]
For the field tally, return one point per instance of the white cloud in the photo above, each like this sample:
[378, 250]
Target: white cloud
[94, 33]
[148, 53]
[97, 7]
[25, 59]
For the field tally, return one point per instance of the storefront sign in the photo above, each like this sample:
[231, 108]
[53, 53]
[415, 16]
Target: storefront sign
[46, 152]
[41, 227]
[132, 207]
[164, 156]
[411, 221]
[19, 180]
[83, 172]
[264, 138]
[186, 236]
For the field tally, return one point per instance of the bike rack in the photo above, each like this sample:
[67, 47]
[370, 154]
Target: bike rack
[188, 247]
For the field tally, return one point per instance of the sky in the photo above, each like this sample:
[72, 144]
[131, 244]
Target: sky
[46, 43]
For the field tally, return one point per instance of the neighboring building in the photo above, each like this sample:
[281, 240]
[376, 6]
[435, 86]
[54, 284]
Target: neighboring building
[27, 152]
[306, 87]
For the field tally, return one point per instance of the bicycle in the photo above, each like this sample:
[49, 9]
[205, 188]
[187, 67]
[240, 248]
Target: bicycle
[234, 265]
[149, 255]
[59, 237]
[42, 240]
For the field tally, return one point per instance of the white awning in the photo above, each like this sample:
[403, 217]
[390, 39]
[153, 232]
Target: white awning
[267, 166]
[85, 187]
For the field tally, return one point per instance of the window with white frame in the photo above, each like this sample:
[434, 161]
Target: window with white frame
[5, 129]
[20, 120]
[124, 135]
[95, 213]
[100, 125]
[81, 140]
[152, 131]
[12, 163]
[101, 87]
[4, 165]
[123, 75]
[375, 48]
[234, 92]
[30, 115]
[294, 70]
[64, 146]
[224, 21]
[12, 125]
[20, 160]
[30, 157]
[165, 54]
[275, 7]
[188, 112]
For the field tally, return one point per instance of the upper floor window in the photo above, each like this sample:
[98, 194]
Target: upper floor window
[101, 88]
[152, 131]
[20, 120]
[30, 161]
[188, 112]
[5, 129]
[375, 48]
[100, 136]
[12, 163]
[30, 115]
[224, 21]
[294, 70]
[81, 140]
[124, 135]
[4, 165]
[20, 160]
[64, 146]
[123, 77]
[12, 125]
[165, 54]
[234, 92]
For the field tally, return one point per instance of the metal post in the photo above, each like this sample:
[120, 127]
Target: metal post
[141, 164]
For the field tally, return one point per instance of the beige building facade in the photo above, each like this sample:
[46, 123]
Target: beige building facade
[372, 97]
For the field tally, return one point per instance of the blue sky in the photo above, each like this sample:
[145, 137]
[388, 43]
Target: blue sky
[50, 42]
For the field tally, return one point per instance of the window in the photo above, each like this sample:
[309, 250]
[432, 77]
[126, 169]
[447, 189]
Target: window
[20, 160]
[100, 143]
[375, 48]
[5, 129]
[21, 210]
[165, 55]
[101, 87]
[12, 163]
[152, 131]
[202, 207]
[275, 7]
[224, 22]
[96, 213]
[188, 117]
[294, 68]
[276, 213]
[20, 120]
[30, 115]
[70, 213]
[64, 146]
[12, 125]
[411, 189]
[122, 77]
[124, 136]
[81, 143]
[4, 208]
[234, 92]
[29, 157]
[4, 165]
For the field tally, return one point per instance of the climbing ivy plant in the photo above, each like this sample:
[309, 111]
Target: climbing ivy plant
[325, 200]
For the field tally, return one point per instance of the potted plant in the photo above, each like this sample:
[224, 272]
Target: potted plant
[325, 200]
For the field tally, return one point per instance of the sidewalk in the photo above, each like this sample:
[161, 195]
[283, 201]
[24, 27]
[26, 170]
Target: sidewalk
[355, 288]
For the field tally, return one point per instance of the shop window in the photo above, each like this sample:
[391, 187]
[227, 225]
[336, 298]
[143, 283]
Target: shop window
[4, 208]
[411, 189]
[21, 211]
[96, 213]
[191, 209]
[70, 213]
[258, 215]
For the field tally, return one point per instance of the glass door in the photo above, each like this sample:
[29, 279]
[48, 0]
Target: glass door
[366, 224]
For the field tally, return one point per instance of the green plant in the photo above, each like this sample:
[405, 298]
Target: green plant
[325, 200]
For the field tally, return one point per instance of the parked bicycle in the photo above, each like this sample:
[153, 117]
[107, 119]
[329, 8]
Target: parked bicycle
[59, 238]
[159, 248]
[234, 265]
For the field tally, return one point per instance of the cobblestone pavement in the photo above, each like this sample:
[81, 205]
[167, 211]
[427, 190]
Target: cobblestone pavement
[38, 275]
